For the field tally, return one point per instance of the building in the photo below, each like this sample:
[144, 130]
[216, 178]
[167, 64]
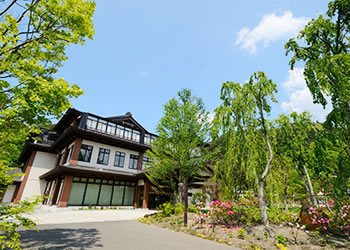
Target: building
[88, 160]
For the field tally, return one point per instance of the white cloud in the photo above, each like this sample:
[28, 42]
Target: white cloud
[271, 28]
[300, 98]
[144, 73]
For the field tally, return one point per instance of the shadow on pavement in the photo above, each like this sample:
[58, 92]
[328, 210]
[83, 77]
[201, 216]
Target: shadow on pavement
[60, 238]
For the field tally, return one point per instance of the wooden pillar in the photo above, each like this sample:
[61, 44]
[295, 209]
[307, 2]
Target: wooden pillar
[15, 193]
[137, 196]
[28, 167]
[139, 163]
[146, 188]
[75, 152]
[67, 184]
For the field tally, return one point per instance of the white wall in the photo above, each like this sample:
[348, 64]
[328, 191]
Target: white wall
[94, 156]
[9, 193]
[43, 162]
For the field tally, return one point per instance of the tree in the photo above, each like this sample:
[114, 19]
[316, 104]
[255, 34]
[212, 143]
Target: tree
[297, 142]
[242, 119]
[33, 38]
[324, 46]
[177, 154]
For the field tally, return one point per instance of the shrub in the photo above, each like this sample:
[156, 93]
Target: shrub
[241, 233]
[281, 239]
[231, 213]
[166, 209]
[179, 209]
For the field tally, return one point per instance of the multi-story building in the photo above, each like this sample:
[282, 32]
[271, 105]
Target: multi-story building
[88, 160]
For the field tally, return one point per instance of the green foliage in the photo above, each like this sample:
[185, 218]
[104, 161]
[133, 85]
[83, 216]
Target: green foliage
[166, 209]
[323, 45]
[241, 120]
[198, 198]
[177, 154]
[242, 233]
[33, 38]
[11, 217]
[281, 239]
[179, 209]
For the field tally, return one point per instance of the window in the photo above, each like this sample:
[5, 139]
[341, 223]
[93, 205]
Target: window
[103, 156]
[111, 128]
[147, 139]
[119, 159]
[101, 126]
[91, 123]
[120, 131]
[136, 136]
[133, 161]
[127, 134]
[145, 162]
[85, 153]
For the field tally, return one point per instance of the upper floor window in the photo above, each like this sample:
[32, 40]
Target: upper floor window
[119, 159]
[103, 156]
[85, 153]
[147, 139]
[136, 135]
[120, 131]
[102, 126]
[91, 122]
[127, 133]
[111, 128]
[68, 153]
[134, 159]
[145, 162]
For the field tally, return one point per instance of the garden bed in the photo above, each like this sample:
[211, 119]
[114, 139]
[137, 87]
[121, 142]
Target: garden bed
[250, 237]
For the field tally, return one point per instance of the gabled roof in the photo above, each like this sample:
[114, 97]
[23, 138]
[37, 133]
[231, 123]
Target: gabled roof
[128, 119]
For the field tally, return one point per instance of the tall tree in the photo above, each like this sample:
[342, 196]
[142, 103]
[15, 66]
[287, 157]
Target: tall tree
[324, 46]
[296, 143]
[242, 115]
[33, 38]
[177, 154]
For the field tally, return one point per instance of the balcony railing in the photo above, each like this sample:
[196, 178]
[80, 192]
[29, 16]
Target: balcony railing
[116, 130]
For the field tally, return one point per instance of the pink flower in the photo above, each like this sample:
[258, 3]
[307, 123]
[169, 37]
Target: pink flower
[325, 228]
[230, 212]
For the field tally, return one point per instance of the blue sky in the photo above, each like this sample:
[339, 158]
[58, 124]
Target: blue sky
[144, 52]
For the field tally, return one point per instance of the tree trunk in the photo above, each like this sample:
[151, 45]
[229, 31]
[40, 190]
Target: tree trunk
[262, 204]
[307, 183]
[186, 202]
[311, 189]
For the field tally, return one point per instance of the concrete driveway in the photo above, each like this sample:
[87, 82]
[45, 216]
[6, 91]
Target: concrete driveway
[68, 215]
[115, 235]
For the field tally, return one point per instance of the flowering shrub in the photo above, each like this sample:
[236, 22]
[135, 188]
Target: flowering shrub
[231, 213]
[295, 226]
[337, 220]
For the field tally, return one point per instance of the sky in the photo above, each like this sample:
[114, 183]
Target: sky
[144, 52]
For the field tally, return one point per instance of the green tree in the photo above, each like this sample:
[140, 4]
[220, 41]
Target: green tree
[33, 38]
[177, 154]
[242, 119]
[296, 143]
[324, 46]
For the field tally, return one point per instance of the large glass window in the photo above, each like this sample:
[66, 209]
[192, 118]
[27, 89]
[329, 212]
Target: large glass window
[136, 135]
[91, 194]
[103, 156]
[118, 193]
[102, 126]
[76, 194]
[128, 133]
[133, 161]
[120, 131]
[147, 139]
[111, 128]
[119, 159]
[91, 123]
[105, 195]
[85, 153]
[129, 196]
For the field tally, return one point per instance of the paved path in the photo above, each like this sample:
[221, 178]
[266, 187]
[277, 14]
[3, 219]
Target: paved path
[64, 216]
[116, 235]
